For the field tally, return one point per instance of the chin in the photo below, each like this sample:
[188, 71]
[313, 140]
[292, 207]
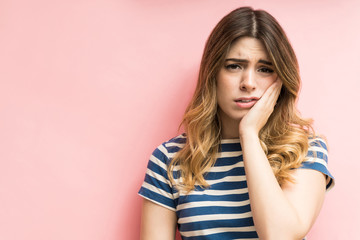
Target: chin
[232, 116]
[237, 117]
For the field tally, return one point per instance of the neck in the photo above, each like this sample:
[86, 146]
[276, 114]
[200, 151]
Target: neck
[229, 128]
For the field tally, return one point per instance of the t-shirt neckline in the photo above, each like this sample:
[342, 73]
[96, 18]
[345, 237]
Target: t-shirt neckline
[230, 140]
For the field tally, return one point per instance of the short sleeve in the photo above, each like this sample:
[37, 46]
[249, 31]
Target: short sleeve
[317, 159]
[156, 186]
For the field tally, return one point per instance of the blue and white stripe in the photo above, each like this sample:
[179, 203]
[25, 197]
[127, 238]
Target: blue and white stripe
[221, 211]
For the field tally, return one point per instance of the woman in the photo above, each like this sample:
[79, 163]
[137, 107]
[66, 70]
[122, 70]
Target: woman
[248, 166]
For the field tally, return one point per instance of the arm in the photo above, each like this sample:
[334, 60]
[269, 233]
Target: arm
[286, 212]
[157, 222]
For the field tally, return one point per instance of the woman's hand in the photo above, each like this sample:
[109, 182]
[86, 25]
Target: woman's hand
[259, 114]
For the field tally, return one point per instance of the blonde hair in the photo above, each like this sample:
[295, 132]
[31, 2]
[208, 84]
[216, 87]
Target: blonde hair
[284, 138]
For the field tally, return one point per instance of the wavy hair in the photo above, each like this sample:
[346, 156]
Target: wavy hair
[284, 138]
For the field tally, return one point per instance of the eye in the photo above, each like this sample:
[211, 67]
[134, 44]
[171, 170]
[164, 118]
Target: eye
[266, 70]
[233, 66]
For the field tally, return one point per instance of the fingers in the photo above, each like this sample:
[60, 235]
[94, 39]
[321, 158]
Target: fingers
[268, 100]
[259, 114]
[275, 87]
[272, 93]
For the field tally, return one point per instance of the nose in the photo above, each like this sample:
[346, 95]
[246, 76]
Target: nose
[247, 82]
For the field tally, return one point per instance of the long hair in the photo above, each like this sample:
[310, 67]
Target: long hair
[284, 138]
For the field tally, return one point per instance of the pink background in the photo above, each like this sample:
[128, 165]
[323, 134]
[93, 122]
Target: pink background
[88, 88]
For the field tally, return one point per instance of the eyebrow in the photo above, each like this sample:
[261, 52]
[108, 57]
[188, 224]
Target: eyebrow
[246, 61]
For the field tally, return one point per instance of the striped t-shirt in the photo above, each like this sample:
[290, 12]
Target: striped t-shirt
[221, 211]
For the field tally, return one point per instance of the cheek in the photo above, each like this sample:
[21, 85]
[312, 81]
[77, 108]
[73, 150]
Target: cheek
[220, 86]
[219, 92]
[266, 83]
[226, 84]
[224, 90]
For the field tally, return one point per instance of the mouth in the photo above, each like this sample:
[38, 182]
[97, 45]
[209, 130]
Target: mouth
[246, 102]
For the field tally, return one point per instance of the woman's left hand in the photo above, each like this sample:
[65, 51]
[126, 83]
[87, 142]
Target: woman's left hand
[259, 114]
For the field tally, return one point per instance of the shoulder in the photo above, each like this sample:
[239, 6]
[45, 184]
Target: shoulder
[169, 148]
[318, 141]
[317, 158]
[175, 143]
[318, 149]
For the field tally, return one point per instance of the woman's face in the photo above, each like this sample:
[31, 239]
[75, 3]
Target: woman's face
[246, 74]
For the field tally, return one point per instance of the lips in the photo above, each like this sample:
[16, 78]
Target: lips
[243, 100]
[246, 99]
[247, 102]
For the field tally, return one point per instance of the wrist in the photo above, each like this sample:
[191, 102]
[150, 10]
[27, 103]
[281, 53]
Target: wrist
[248, 135]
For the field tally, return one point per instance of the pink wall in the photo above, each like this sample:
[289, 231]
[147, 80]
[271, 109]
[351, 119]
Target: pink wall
[89, 88]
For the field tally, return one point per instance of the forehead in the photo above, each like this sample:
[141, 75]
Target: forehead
[248, 48]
